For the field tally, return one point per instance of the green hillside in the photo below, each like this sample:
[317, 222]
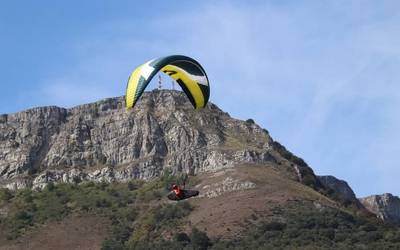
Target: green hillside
[137, 216]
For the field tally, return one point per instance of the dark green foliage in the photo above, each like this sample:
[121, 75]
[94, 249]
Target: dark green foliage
[306, 227]
[250, 121]
[50, 186]
[132, 185]
[163, 218]
[169, 212]
[5, 195]
[272, 226]
[28, 208]
[112, 245]
[182, 237]
[288, 155]
[137, 220]
[309, 178]
[120, 204]
[199, 240]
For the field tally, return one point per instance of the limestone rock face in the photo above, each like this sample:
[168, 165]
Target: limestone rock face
[227, 185]
[385, 206]
[104, 141]
[339, 186]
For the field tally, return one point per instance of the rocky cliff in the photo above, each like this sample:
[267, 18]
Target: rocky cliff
[385, 206]
[103, 141]
[340, 187]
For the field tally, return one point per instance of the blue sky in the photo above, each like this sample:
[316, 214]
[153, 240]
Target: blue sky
[322, 76]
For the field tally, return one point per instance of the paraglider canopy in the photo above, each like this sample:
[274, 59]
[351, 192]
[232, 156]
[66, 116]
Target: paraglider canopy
[186, 71]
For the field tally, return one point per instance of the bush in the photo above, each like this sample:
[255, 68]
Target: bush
[139, 224]
[182, 237]
[250, 121]
[103, 203]
[58, 200]
[111, 244]
[272, 226]
[5, 195]
[121, 231]
[199, 240]
[308, 228]
[50, 186]
[172, 212]
[132, 185]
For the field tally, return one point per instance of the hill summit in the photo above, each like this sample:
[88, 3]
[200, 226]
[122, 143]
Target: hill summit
[104, 141]
[100, 174]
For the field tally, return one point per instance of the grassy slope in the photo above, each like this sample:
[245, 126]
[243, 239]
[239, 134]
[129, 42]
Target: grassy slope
[122, 212]
[72, 232]
[276, 213]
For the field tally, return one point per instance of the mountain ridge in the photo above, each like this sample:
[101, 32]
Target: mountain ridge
[162, 130]
[102, 141]
[116, 166]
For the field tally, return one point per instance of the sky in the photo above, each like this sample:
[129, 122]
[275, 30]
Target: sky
[321, 76]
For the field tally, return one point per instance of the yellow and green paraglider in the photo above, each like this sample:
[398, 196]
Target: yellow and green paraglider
[186, 71]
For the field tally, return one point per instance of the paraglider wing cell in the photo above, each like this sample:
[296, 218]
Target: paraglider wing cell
[187, 72]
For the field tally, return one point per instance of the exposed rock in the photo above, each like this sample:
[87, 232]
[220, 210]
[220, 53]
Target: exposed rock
[342, 189]
[227, 185]
[18, 183]
[385, 206]
[104, 141]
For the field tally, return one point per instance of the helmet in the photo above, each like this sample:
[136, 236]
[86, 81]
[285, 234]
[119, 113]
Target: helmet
[174, 186]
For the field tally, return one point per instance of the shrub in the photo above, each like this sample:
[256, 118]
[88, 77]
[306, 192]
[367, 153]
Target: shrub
[5, 194]
[199, 240]
[250, 121]
[50, 186]
[182, 237]
[272, 226]
[110, 244]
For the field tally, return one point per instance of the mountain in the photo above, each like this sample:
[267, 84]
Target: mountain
[100, 173]
[104, 141]
[385, 206]
[342, 189]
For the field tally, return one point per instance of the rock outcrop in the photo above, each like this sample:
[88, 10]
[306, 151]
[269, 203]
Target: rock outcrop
[103, 141]
[340, 187]
[385, 206]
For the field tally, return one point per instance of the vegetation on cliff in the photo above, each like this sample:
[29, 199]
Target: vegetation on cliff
[140, 218]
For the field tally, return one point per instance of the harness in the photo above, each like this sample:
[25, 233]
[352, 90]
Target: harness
[178, 192]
